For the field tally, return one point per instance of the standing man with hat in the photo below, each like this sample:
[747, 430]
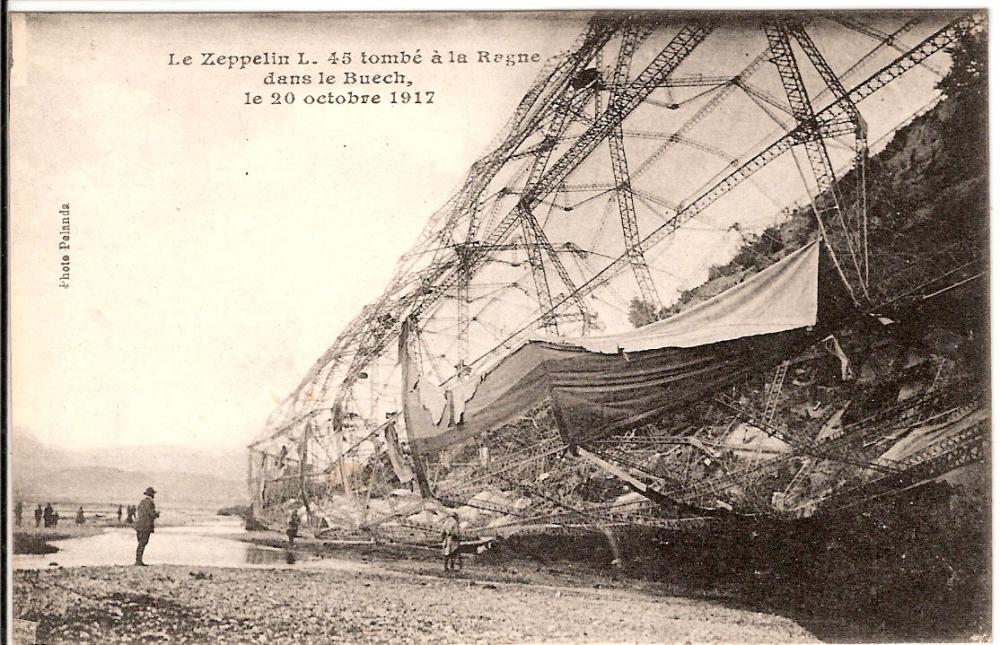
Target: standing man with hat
[145, 516]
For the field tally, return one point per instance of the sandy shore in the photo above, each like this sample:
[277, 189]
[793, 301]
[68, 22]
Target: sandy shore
[365, 603]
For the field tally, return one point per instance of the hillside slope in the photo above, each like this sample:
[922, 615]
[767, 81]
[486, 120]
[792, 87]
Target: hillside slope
[119, 475]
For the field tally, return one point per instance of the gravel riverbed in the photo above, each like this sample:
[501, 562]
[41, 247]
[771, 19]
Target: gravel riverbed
[363, 604]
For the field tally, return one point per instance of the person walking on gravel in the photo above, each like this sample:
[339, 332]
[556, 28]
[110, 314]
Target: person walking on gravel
[452, 538]
[145, 517]
[293, 528]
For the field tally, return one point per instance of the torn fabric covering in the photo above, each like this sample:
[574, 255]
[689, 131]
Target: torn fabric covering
[340, 464]
[419, 422]
[403, 473]
[924, 437]
[779, 298]
[594, 393]
[433, 398]
[832, 345]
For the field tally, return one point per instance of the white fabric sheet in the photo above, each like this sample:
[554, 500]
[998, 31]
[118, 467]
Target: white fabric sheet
[779, 298]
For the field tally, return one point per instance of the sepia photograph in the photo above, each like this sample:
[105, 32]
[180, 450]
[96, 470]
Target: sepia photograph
[569, 326]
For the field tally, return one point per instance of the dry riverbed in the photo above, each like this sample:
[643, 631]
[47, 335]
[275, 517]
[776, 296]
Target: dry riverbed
[364, 603]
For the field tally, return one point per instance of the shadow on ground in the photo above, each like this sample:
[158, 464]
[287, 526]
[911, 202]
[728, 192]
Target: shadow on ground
[913, 568]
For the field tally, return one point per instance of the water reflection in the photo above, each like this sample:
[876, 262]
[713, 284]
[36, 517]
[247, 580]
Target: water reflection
[210, 543]
[258, 555]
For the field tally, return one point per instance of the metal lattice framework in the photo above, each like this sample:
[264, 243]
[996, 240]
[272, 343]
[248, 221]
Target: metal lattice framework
[524, 246]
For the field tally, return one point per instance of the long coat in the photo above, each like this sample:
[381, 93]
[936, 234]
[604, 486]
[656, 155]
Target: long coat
[145, 516]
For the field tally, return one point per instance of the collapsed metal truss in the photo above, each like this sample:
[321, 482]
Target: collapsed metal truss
[501, 215]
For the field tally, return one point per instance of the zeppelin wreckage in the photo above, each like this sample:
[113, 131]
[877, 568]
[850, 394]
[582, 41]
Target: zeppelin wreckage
[536, 363]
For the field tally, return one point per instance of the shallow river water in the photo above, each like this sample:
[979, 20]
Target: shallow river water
[204, 543]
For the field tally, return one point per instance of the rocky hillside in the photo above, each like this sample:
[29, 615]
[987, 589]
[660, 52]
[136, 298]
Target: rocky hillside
[927, 190]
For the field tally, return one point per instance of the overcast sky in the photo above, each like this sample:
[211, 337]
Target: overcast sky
[217, 248]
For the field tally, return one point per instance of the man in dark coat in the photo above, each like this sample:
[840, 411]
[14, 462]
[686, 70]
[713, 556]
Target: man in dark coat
[18, 510]
[38, 516]
[145, 516]
[49, 515]
[452, 539]
[293, 528]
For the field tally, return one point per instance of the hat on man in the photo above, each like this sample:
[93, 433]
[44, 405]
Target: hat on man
[150, 491]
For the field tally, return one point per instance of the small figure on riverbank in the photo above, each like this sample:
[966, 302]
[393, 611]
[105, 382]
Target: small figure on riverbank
[293, 528]
[50, 516]
[145, 518]
[451, 537]
[79, 517]
[38, 516]
[119, 513]
[131, 514]
[18, 510]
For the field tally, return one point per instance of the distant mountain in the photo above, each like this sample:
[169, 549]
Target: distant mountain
[226, 464]
[28, 453]
[120, 474]
[102, 484]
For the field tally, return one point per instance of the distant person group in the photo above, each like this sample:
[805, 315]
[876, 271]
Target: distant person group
[129, 512]
[142, 515]
[46, 514]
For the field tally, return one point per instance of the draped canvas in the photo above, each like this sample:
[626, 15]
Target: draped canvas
[779, 298]
[396, 458]
[634, 376]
